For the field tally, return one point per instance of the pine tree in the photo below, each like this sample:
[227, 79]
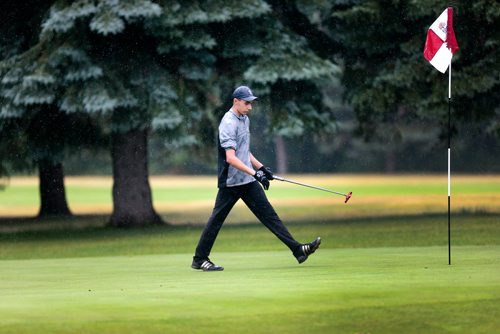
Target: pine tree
[141, 66]
[385, 72]
[20, 145]
[283, 70]
[136, 64]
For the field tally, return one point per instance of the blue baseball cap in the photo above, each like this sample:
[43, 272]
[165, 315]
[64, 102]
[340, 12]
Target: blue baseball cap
[243, 93]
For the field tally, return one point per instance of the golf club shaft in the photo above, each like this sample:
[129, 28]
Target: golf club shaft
[279, 178]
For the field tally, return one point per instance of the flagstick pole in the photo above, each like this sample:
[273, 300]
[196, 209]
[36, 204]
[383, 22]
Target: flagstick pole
[449, 165]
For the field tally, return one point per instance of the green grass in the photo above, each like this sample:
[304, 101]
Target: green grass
[356, 233]
[376, 290]
[370, 276]
[362, 185]
[385, 274]
[27, 194]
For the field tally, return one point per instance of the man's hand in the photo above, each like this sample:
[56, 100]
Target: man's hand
[267, 172]
[261, 177]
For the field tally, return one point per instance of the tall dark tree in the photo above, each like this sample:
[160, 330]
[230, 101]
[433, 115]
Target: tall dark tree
[46, 131]
[21, 25]
[391, 87]
[386, 76]
[283, 70]
[137, 64]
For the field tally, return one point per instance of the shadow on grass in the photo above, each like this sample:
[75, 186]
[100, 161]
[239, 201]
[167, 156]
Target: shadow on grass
[87, 240]
[95, 226]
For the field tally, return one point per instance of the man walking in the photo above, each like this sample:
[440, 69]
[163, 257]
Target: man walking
[238, 179]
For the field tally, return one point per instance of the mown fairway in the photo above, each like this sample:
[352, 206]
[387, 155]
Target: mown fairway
[376, 290]
[383, 272]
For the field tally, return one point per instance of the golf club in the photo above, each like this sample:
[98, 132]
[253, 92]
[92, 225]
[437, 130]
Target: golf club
[347, 196]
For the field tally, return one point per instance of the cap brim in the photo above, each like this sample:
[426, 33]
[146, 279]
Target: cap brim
[250, 98]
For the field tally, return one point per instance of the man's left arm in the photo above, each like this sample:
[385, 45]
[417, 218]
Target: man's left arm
[260, 166]
[255, 163]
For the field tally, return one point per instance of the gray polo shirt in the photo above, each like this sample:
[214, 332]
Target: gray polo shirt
[234, 132]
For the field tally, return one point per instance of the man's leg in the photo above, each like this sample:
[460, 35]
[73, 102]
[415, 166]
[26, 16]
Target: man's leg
[256, 200]
[226, 198]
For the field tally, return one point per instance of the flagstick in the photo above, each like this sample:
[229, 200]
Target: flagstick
[449, 150]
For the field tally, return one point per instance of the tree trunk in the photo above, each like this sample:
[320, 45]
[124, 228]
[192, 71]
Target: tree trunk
[281, 155]
[132, 200]
[390, 161]
[52, 191]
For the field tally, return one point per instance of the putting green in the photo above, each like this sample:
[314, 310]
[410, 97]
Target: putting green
[370, 290]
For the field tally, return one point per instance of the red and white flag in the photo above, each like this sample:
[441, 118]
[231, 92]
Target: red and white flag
[441, 43]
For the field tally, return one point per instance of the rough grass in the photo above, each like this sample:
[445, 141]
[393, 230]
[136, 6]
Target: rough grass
[190, 199]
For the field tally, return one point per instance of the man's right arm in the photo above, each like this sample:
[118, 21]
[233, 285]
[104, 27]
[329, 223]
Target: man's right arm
[234, 161]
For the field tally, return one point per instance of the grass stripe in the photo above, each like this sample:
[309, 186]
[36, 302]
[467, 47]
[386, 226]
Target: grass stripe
[378, 290]
[363, 233]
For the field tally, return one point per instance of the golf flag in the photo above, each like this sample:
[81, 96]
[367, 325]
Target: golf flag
[441, 43]
[440, 46]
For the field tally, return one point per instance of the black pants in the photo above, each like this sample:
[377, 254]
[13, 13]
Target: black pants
[254, 197]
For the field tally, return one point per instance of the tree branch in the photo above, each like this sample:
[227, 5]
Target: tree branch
[320, 42]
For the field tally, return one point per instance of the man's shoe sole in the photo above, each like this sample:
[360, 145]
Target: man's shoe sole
[214, 269]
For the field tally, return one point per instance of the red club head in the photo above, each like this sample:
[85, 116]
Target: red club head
[348, 196]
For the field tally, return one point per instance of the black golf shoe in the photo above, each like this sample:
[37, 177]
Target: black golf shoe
[206, 265]
[307, 249]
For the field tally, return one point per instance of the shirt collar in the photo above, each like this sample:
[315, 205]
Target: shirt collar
[242, 117]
